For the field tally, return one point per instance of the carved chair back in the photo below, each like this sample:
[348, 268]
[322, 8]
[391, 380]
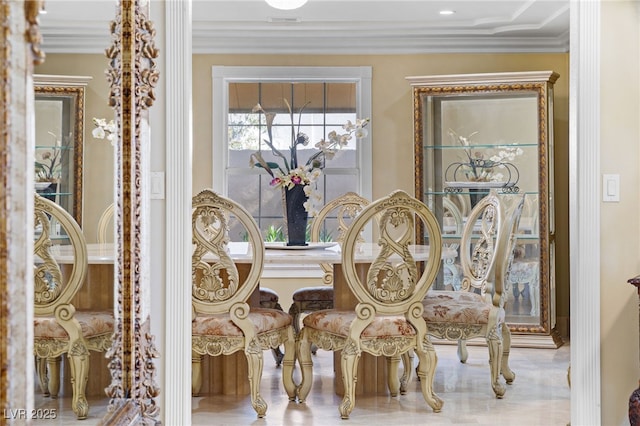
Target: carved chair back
[394, 283]
[216, 283]
[105, 224]
[54, 225]
[341, 210]
[480, 244]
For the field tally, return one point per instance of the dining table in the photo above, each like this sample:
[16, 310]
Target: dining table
[228, 374]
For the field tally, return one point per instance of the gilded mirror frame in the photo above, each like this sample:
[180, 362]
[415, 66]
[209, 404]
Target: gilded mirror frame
[132, 76]
[70, 92]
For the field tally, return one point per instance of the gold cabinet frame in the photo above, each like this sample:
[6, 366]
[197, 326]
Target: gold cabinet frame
[461, 125]
[66, 96]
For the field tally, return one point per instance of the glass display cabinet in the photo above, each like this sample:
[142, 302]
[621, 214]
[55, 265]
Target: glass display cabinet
[59, 135]
[478, 132]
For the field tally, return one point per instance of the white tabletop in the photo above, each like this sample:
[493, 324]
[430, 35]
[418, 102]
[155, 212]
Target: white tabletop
[239, 251]
[367, 253]
[97, 253]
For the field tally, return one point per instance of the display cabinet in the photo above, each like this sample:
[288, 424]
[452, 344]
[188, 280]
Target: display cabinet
[478, 132]
[59, 135]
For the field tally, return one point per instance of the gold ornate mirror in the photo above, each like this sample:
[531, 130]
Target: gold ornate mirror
[132, 76]
[59, 129]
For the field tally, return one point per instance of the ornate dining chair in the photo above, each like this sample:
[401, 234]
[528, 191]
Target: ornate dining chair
[341, 212]
[477, 309]
[58, 327]
[105, 224]
[388, 320]
[525, 269]
[223, 322]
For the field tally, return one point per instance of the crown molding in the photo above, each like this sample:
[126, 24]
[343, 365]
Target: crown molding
[220, 41]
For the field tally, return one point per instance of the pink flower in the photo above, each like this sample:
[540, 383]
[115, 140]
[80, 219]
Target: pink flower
[275, 181]
[297, 180]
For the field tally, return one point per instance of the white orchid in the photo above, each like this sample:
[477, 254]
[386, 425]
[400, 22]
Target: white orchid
[288, 173]
[104, 130]
[477, 168]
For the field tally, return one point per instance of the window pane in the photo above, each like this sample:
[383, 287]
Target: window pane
[318, 108]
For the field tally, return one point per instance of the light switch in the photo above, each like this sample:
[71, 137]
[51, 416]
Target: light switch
[611, 188]
[157, 185]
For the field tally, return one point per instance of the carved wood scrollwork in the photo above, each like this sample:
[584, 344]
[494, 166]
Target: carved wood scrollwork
[132, 77]
[32, 10]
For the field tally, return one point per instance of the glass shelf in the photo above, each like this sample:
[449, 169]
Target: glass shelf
[483, 146]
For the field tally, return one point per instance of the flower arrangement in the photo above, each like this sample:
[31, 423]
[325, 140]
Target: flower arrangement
[288, 173]
[104, 130]
[49, 168]
[477, 168]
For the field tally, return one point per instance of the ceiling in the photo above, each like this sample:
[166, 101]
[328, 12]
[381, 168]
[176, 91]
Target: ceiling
[333, 26]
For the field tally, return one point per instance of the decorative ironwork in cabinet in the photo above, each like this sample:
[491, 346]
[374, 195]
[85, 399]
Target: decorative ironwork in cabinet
[475, 132]
[59, 135]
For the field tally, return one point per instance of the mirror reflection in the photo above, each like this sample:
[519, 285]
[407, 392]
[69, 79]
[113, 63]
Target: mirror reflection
[77, 173]
[59, 135]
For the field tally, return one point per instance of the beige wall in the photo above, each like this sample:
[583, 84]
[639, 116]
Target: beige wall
[98, 153]
[620, 227]
[392, 120]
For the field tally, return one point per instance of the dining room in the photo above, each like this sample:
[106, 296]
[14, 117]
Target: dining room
[388, 153]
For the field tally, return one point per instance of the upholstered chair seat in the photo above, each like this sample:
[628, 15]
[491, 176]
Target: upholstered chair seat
[93, 324]
[338, 323]
[458, 307]
[222, 325]
[314, 294]
[269, 298]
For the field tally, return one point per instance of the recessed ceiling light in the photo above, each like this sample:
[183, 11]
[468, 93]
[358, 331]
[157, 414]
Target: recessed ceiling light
[447, 12]
[286, 4]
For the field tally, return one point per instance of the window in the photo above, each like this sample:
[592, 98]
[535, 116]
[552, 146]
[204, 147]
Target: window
[327, 97]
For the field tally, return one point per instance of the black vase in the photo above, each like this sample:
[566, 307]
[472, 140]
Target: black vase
[475, 195]
[50, 192]
[296, 215]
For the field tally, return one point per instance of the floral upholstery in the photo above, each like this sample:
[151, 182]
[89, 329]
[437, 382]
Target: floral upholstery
[457, 307]
[268, 295]
[313, 294]
[221, 324]
[338, 322]
[92, 323]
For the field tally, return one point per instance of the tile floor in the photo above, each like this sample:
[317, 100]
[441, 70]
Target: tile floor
[539, 396]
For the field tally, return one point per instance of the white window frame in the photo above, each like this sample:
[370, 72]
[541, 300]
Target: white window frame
[224, 75]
